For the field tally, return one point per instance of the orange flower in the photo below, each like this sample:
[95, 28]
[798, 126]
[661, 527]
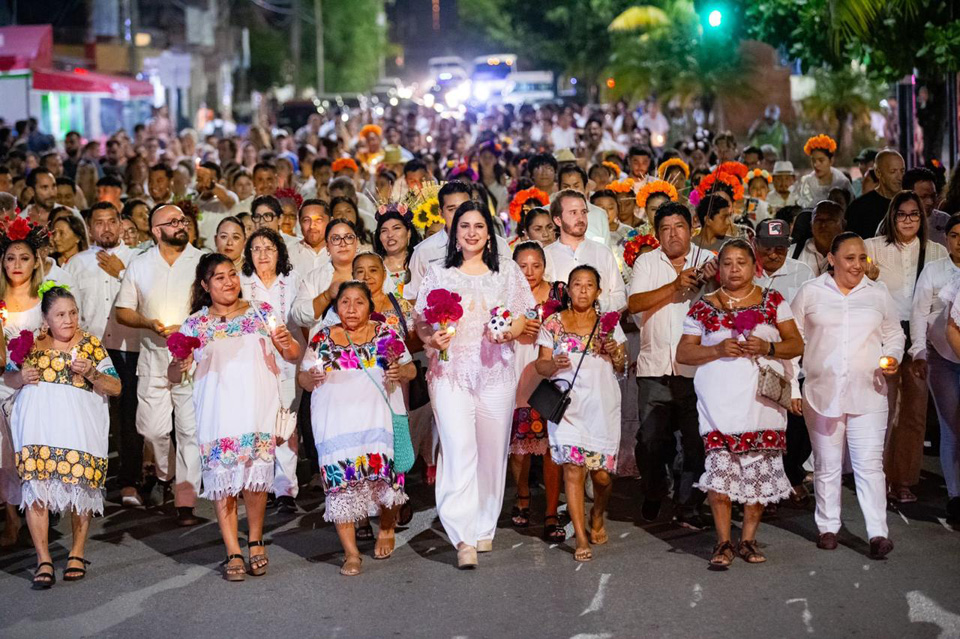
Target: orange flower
[524, 196]
[622, 186]
[707, 185]
[757, 173]
[371, 128]
[613, 167]
[665, 166]
[656, 186]
[820, 143]
[733, 168]
[343, 164]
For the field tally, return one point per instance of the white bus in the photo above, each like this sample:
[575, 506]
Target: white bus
[491, 75]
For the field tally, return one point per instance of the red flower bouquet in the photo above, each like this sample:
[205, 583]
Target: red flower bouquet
[443, 311]
[19, 347]
[608, 322]
[631, 248]
[182, 346]
[549, 308]
[745, 321]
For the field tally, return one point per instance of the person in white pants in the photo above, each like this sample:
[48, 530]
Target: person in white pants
[155, 296]
[471, 377]
[853, 341]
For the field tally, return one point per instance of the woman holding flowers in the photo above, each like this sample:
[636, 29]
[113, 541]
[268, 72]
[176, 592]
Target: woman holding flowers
[587, 438]
[816, 186]
[729, 335]
[471, 375]
[237, 349]
[357, 358]
[62, 462]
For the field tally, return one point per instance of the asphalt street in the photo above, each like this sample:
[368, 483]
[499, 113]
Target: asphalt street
[150, 578]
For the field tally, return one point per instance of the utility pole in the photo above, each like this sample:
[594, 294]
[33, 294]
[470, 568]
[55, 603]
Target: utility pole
[318, 18]
[296, 40]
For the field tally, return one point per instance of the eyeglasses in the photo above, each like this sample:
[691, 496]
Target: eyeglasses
[179, 223]
[263, 217]
[263, 250]
[340, 240]
[908, 215]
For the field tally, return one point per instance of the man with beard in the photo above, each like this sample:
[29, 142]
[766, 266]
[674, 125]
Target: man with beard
[99, 271]
[214, 200]
[155, 296]
[665, 282]
[311, 252]
[71, 145]
[44, 186]
[569, 213]
[596, 143]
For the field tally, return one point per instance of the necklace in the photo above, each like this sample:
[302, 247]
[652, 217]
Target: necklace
[737, 300]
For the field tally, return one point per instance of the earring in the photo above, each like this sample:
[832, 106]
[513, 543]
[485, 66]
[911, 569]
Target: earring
[458, 247]
[43, 332]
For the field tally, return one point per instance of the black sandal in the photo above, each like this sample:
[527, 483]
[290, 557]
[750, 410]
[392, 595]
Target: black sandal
[520, 517]
[405, 515]
[75, 574]
[234, 573]
[258, 563]
[44, 580]
[365, 532]
[553, 533]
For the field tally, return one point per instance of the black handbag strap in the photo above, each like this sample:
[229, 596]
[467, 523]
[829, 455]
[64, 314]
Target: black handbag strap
[586, 347]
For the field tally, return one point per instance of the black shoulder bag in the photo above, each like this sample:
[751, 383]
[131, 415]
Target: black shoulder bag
[548, 398]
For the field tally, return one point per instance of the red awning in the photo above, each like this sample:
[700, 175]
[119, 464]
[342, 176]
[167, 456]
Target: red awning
[26, 47]
[83, 81]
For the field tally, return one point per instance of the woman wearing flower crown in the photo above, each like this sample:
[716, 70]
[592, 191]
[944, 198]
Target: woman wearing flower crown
[729, 335]
[22, 275]
[236, 396]
[62, 462]
[816, 186]
[394, 241]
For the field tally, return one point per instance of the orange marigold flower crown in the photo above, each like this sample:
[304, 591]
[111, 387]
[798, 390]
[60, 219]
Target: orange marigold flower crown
[613, 167]
[622, 186]
[524, 196]
[677, 162]
[733, 168]
[342, 164]
[656, 186]
[757, 173]
[371, 128]
[708, 185]
[820, 143]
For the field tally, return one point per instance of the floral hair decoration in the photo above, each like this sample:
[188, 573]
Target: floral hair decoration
[463, 169]
[613, 167]
[49, 285]
[656, 186]
[673, 162]
[20, 229]
[490, 145]
[524, 196]
[622, 186]
[371, 128]
[343, 164]
[289, 194]
[820, 143]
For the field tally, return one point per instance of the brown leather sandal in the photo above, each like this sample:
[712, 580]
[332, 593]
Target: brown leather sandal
[258, 563]
[749, 551]
[723, 554]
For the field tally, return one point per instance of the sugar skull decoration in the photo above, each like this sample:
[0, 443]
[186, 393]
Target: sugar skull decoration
[499, 324]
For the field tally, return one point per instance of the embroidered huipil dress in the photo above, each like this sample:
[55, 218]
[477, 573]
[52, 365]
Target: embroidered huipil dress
[744, 434]
[29, 320]
[353, 426]
[236, 399]
[589, 433]
[60, 427]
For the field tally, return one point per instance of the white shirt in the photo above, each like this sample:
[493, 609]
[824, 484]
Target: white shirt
[898, 268]
[56, 273]
[96, 293]
[159, 291]
[811, 257]
[788, 279]
[563, 138]
[433, 250]
[937, 226]
[928, 322]
[311, 285]
[243, 206]
[775, 201]
[212, 211]
[561, 260]
[845, 336]
[661, 327]
[598, 228]
[304, 259]
[281, 296]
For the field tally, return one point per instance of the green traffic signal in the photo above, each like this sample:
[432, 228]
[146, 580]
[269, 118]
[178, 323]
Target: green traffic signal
[715, 18]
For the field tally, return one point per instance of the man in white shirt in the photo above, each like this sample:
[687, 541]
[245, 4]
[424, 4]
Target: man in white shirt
[783, 179]
[98, 272]
[433, 250]
[159, 184]
[564, 135]
[656, 123]
[155, 296]
[215, 201]
[311, 252]
[665, 282]
[574, 178]
[826, 223]
[569, 213]
[786, 275]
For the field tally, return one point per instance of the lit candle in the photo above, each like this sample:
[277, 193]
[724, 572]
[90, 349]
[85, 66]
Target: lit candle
[272, 323]
[540, 313]
[886, 363]
[452, 330]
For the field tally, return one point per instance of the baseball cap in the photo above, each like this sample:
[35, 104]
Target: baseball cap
[773, 233]
[783, 167]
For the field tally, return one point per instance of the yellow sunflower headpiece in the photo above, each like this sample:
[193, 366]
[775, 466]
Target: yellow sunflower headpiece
[673, 162]
[424, 203]
[656, 186]
[820, 143]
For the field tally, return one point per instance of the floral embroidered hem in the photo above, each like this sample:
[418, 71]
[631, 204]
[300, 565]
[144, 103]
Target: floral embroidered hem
[757, 440]
[240, 450]
[577, 456]
[346, 473]
[528, 436]
[362, 499]
[41, 463]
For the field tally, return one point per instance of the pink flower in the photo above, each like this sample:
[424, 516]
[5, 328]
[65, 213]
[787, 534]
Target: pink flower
[746, 321]
[181, 346]
[19, 347]
[349, 360]
[608, 322]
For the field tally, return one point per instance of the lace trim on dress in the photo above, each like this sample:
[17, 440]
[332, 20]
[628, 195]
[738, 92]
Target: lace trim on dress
[58, 497]
[364, 499]
[229, 481]
[760, 481]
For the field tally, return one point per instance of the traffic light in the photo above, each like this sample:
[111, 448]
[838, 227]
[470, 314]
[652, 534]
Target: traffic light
[715, 18]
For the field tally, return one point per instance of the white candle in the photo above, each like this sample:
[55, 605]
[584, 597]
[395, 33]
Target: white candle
[886, 363]
[272, 323]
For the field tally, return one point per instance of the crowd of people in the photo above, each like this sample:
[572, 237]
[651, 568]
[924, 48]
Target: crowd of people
[545, 295]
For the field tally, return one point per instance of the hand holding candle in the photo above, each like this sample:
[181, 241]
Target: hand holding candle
[889, 365]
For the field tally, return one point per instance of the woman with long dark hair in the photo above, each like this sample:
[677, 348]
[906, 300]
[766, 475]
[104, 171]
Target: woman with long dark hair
[472, 378]
[394, 241]
[343, 207]
[236, 397]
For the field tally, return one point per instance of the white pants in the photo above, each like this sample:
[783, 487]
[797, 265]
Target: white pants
[864, 436]
[474, 431]
[158, 398]
[285, 461]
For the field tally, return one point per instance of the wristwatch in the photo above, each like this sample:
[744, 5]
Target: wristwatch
[770, 351]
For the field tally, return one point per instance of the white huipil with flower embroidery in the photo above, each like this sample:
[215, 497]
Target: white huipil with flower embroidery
[589, 433]
[60, 428]
[236, 399]
[353, 426]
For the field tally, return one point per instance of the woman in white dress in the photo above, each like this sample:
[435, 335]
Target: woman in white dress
[816, 186]
[62, 461]
[236, 397]
[268, 276]
[473, 390]
[728, 335]
[355, 395]
[394, 241]
[588, 437]
[22, 276]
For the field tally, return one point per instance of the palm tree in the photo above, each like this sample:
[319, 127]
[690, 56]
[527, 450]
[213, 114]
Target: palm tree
[842, 97]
